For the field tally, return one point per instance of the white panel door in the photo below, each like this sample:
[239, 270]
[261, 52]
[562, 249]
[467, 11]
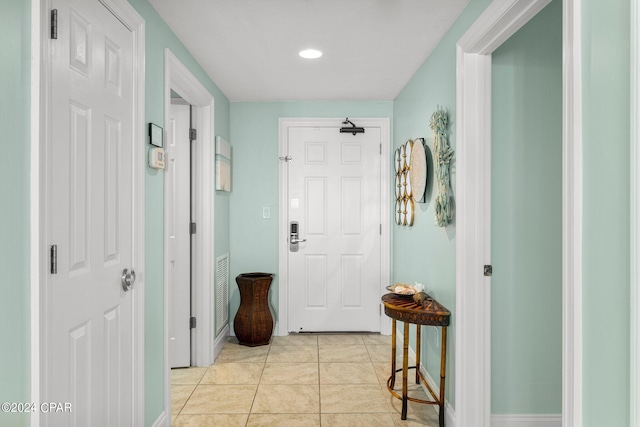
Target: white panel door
[89, 314]
[179, 219]
[334, 195]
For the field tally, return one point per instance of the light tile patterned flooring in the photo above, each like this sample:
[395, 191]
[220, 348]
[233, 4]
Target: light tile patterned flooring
[297, 381]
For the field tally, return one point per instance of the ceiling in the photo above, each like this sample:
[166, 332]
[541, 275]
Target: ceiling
[250, 48]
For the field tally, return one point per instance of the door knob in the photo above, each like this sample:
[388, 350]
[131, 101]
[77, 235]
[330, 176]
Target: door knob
[128, 279]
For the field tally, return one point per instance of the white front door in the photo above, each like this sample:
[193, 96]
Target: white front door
[89, 313]
[178, 220]
[334, 195]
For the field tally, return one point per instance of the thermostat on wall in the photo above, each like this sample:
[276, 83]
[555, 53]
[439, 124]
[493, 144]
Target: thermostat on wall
[156, 158]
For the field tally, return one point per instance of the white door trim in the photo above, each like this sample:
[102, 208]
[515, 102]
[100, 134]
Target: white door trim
[40, 120]
[496, 24]
[179, 78]
[635, 216]
[572, 214]
[283, 243]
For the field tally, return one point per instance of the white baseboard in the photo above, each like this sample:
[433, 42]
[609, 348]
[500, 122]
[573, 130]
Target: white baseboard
[220, 341]
[449, 413]
[162, 421]
[526, 420]
[510, 420]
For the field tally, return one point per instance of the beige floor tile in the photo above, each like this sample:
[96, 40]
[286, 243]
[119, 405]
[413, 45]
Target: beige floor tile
[417, 415]
[382, 353]
[373, 339]
[284, 420]
[242, 354]
[351, 398]
[179, 395]
[293, 354]
[343, 353]
[290, 373]
[233, 373]
[216, 420]
[415, 391]
[296, 339]
[284, 399]
[357, 420]
[220, 399]
[336, 380]
[347, 373]
[383, 371]
[173, 419]
[187, 375]
[340, 340]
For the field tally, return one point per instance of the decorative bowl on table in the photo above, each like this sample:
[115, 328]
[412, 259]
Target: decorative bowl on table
[402, 289]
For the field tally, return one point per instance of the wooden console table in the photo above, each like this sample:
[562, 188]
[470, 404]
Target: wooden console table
[404, 309]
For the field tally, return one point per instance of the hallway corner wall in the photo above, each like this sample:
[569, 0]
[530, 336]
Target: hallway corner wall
[15, 83]
[425, 252]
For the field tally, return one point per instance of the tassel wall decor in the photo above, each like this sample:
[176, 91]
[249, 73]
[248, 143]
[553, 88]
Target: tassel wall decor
[443, 155]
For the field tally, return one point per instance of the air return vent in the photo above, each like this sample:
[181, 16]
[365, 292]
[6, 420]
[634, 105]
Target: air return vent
[222, 292]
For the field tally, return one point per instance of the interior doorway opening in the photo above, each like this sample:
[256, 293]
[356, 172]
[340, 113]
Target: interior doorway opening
[179, 79]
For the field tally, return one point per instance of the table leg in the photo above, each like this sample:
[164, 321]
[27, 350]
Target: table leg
[418, 330]
[393, 353]
[405, 370]
[443, 364]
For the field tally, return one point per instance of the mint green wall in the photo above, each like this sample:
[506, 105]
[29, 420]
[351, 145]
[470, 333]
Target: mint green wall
[526, 219]
[254, 138]
[606, 127]
[425, 252]
[159, 37]
[14, 206]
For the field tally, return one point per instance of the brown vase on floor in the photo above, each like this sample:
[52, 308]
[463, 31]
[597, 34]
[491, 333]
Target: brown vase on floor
[253, 323]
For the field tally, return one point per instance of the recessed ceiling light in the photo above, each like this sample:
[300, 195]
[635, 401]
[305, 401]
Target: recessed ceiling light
[310, 53]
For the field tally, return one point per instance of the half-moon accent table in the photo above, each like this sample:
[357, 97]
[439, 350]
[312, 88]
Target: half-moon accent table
[406, 310]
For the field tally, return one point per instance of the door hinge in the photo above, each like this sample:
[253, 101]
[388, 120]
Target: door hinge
[488, 270]
[192, 323]
[54, 259]
[54, 24]
[192, 228]
[193, 134]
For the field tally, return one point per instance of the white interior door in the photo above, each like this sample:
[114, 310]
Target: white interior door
[178, 220]
[88, 311]
[334, 195]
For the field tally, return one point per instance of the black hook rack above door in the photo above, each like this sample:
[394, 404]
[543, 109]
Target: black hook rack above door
[353, 129]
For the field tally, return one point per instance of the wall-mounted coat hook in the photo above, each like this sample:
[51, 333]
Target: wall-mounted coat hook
[353, 129]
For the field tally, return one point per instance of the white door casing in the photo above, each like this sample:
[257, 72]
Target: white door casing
[89, 341]
[177, 173]
[496, 24]
[177, 77]
[345, 221]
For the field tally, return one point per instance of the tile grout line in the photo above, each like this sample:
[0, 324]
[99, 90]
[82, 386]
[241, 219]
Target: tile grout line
[371, 349]
[319, 384]
[264, 364]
